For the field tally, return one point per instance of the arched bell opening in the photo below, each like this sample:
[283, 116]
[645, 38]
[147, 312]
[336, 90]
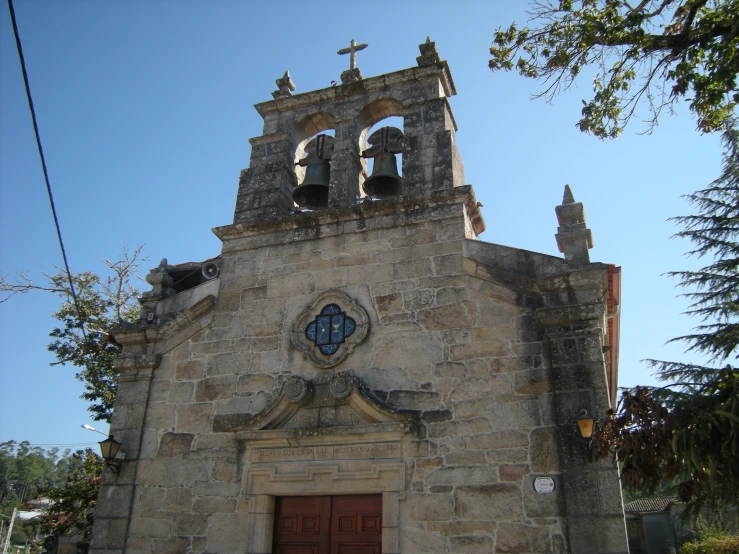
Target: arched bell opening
[383, 112]
[383, 151]
[313, 161]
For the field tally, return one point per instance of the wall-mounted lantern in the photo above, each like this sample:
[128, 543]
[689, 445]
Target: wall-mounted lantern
[109, 448]
[585, 423]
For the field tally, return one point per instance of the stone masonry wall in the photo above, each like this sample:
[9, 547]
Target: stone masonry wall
[464, 353]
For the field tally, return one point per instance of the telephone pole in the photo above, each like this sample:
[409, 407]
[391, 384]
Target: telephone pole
[10, 530]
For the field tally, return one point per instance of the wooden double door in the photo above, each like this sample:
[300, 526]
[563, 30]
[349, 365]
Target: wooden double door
[328, 524]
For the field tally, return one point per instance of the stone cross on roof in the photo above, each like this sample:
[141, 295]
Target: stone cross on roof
[352, 51]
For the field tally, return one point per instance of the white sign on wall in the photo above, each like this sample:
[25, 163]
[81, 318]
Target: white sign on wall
[544, 485]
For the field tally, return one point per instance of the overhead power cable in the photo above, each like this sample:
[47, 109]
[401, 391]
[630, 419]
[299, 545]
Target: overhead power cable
[43, 165]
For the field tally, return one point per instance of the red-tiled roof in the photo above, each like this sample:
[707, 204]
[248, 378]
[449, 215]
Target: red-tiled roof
[649, 504]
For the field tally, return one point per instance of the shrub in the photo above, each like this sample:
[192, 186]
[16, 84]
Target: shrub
[712, 539]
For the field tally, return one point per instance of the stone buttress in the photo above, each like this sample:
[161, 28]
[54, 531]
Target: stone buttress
[364, 342]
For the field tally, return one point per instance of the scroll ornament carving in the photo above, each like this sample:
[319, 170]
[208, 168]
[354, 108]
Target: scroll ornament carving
[341, 385]
[297, 390]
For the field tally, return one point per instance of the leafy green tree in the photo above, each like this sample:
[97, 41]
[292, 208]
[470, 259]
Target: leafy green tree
[688, 430]
[81, 339]
[25, 472]
[25, 469]
[76, 499]
[648, 52]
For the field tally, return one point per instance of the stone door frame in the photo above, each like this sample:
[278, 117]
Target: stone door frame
[265, 481]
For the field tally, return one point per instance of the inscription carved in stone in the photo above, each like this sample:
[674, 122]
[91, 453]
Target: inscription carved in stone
[333, 452]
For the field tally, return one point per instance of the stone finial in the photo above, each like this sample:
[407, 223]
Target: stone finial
[568, 197]
[429, 54]
[574, 239]
[285, 86]
[160, 282]
[352, 74]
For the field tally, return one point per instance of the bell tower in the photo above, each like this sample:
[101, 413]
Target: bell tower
[295, 166]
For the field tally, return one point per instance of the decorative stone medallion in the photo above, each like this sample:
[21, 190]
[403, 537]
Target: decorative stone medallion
[329, 328]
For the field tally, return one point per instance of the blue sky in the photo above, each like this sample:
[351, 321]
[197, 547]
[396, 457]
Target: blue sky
[145, 111]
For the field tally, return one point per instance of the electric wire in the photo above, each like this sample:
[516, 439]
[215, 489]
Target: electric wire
[62, 444]
[43, 165]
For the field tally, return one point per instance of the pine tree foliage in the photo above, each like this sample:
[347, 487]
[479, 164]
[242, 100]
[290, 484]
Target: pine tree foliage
[688, 430]
[714, 232]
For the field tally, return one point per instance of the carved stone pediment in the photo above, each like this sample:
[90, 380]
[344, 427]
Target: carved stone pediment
[145, 333]
[340, 404]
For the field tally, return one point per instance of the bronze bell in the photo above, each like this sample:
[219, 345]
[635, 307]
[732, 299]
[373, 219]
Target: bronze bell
[313, 192]
[384, 181]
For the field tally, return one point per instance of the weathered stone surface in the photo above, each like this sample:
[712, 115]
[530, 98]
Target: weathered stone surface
[508, 438]
[450, 370]
[153, 528]
[389, 304]
[470, 544]
[534, 381]
[160, 415]
[420, 542]
[194, 418]
[610, 539]
[172, 472]
[507, 455]
[190, 524]
[490, 385]
[431, 507]
[512, 472]
[175, 445]
[414, 400]
[402, 350]
[520, 539]
[451, 316]
[466, 475]
[412, 269]
[227, 364]
[221, 535]
[460, 528]
[511, 415]
[172, 544]
[178, 499]
[490, 349]
[215, 388]
[118, 501]
[611, 501]
[468, 457]
[213, 504]
[505, 365]
[498, 501]
[180, 393]
[544, 450]
[436, 416]
[458, 428]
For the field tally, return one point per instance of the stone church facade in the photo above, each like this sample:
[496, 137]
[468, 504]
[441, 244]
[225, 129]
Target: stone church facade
[365, 375]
